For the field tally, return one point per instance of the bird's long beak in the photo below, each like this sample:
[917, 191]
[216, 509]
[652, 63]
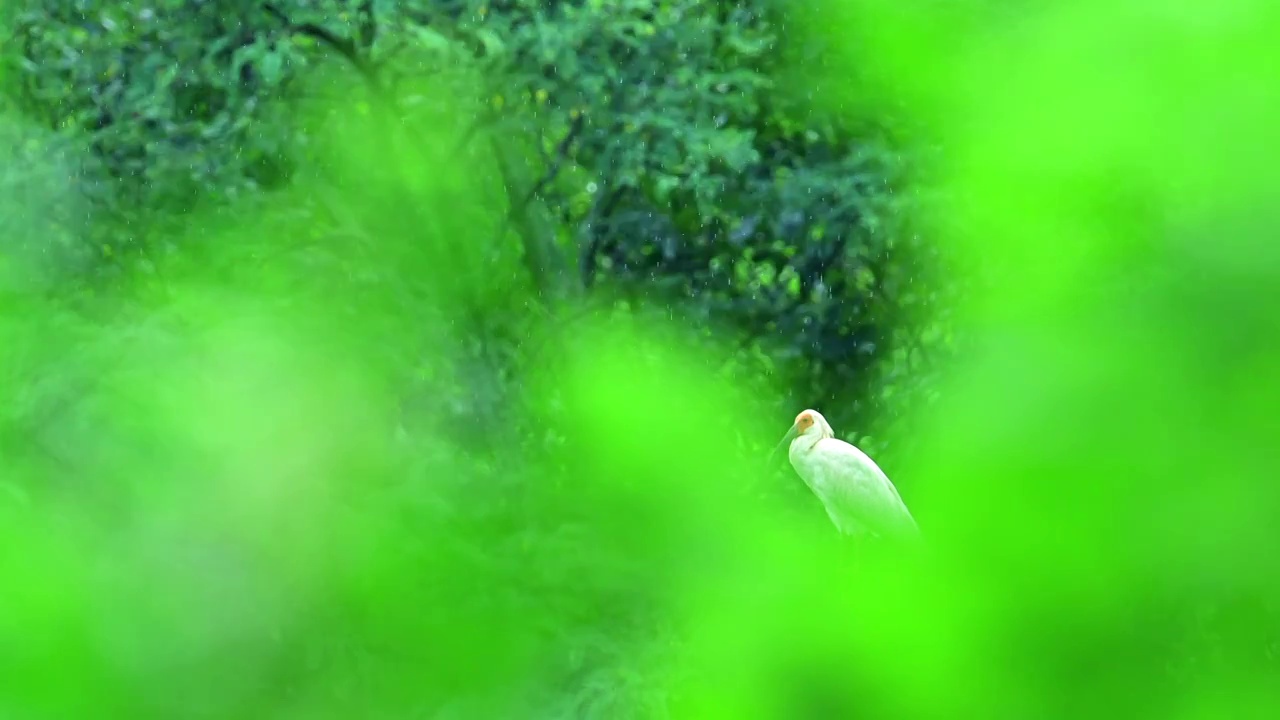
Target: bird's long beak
[786, 440]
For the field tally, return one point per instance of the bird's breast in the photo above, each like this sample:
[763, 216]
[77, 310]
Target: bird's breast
[806, 464]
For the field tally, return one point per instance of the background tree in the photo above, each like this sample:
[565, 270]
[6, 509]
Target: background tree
[643, 146]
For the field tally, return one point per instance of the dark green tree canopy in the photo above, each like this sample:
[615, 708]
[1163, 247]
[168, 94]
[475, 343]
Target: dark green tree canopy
[645, 148]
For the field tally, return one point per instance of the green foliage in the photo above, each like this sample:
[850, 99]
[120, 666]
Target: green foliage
[47, 190]
[170, 92]
[643, 147]
[695, 181]
[420, 359]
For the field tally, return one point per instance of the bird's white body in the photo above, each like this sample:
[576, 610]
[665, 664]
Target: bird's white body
[858, 496]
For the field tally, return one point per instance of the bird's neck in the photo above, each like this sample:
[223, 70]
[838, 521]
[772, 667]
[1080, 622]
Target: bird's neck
[804, 444]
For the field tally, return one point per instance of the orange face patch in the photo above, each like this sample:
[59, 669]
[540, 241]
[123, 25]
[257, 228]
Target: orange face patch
[804, 421]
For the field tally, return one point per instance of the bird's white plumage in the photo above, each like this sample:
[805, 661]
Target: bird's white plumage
[858, 496]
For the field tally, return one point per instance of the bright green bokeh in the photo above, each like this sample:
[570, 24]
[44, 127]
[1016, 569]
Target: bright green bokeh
[216, 501]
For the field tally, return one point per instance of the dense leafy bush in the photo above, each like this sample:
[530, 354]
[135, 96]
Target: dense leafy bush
[644, 151]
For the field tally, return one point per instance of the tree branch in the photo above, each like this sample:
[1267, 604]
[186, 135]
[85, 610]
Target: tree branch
[368, 25]
[557, 161]
[604, 204]
[345, 47]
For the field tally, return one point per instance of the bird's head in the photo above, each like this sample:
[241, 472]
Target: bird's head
[809, 424]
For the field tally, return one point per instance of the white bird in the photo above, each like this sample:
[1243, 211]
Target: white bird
[857, 494]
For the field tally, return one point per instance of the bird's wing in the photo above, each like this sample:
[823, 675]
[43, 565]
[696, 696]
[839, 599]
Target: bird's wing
[856, 487]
